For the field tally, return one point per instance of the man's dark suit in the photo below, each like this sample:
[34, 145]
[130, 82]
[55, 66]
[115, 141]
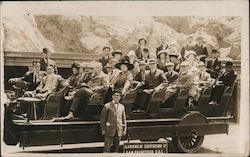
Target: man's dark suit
[213, 67]
[104, 60]
[171, 76]
[227, 79]
[33, 81]
[45, 62]
[113, 122]
[152, 80]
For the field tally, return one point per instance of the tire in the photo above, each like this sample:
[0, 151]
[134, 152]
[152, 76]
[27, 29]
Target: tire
[190, 144]
[193, 142]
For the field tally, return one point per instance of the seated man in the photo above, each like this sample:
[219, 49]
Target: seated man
[184, 81]
[171, 74]
[32, 78]
[140, 76]
[225, 79]
[205, 80]
[48, 84]
[97, 84]
[46, 61]
[213, 64]
[155, 80]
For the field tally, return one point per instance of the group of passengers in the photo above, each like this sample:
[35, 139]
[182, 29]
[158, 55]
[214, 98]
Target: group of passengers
[168, 71]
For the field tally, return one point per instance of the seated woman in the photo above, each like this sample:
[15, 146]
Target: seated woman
[162, 60]
[123, 80]
[75, 76]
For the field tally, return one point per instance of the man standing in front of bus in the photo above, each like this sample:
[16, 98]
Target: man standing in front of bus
[113, 123]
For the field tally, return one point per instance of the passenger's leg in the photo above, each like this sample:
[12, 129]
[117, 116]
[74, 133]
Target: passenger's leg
[83, 95]
[145, 97]
[221, 90]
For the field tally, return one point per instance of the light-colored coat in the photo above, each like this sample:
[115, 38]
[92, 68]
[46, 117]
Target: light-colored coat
[113, 119]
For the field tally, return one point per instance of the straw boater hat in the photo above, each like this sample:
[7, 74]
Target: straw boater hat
[190, 52]
[169, 64]
[184, 63]
[162, 52]
[124, 62]
[116, 52]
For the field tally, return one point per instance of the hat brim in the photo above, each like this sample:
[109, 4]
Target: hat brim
[172, 55]
[130, 66]
[158, 55]
[114, 53]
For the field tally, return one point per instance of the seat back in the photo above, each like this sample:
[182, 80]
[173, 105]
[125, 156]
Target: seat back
[181, 100]
[129, 98]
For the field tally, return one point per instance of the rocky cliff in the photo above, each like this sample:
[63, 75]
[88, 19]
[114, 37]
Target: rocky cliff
[88, 34]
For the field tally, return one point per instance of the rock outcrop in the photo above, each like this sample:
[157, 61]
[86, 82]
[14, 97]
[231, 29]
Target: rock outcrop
[88, 34]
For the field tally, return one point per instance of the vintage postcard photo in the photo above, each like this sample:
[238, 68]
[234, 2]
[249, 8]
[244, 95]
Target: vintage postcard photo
[125, 78]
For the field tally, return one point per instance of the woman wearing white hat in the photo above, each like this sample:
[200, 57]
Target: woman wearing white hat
[191, 58]
[162, 60]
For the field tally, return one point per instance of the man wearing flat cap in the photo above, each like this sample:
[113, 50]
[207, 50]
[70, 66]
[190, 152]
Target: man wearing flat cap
[138, 51]
[225, 79]
[46, 61]
[106, 57]
[155, 80]
[214, 64]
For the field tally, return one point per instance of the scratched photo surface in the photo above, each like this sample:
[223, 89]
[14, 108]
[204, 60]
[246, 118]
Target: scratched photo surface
[158, 77]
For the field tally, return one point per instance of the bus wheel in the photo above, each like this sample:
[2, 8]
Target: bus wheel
[193, 139]
[190, 144]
